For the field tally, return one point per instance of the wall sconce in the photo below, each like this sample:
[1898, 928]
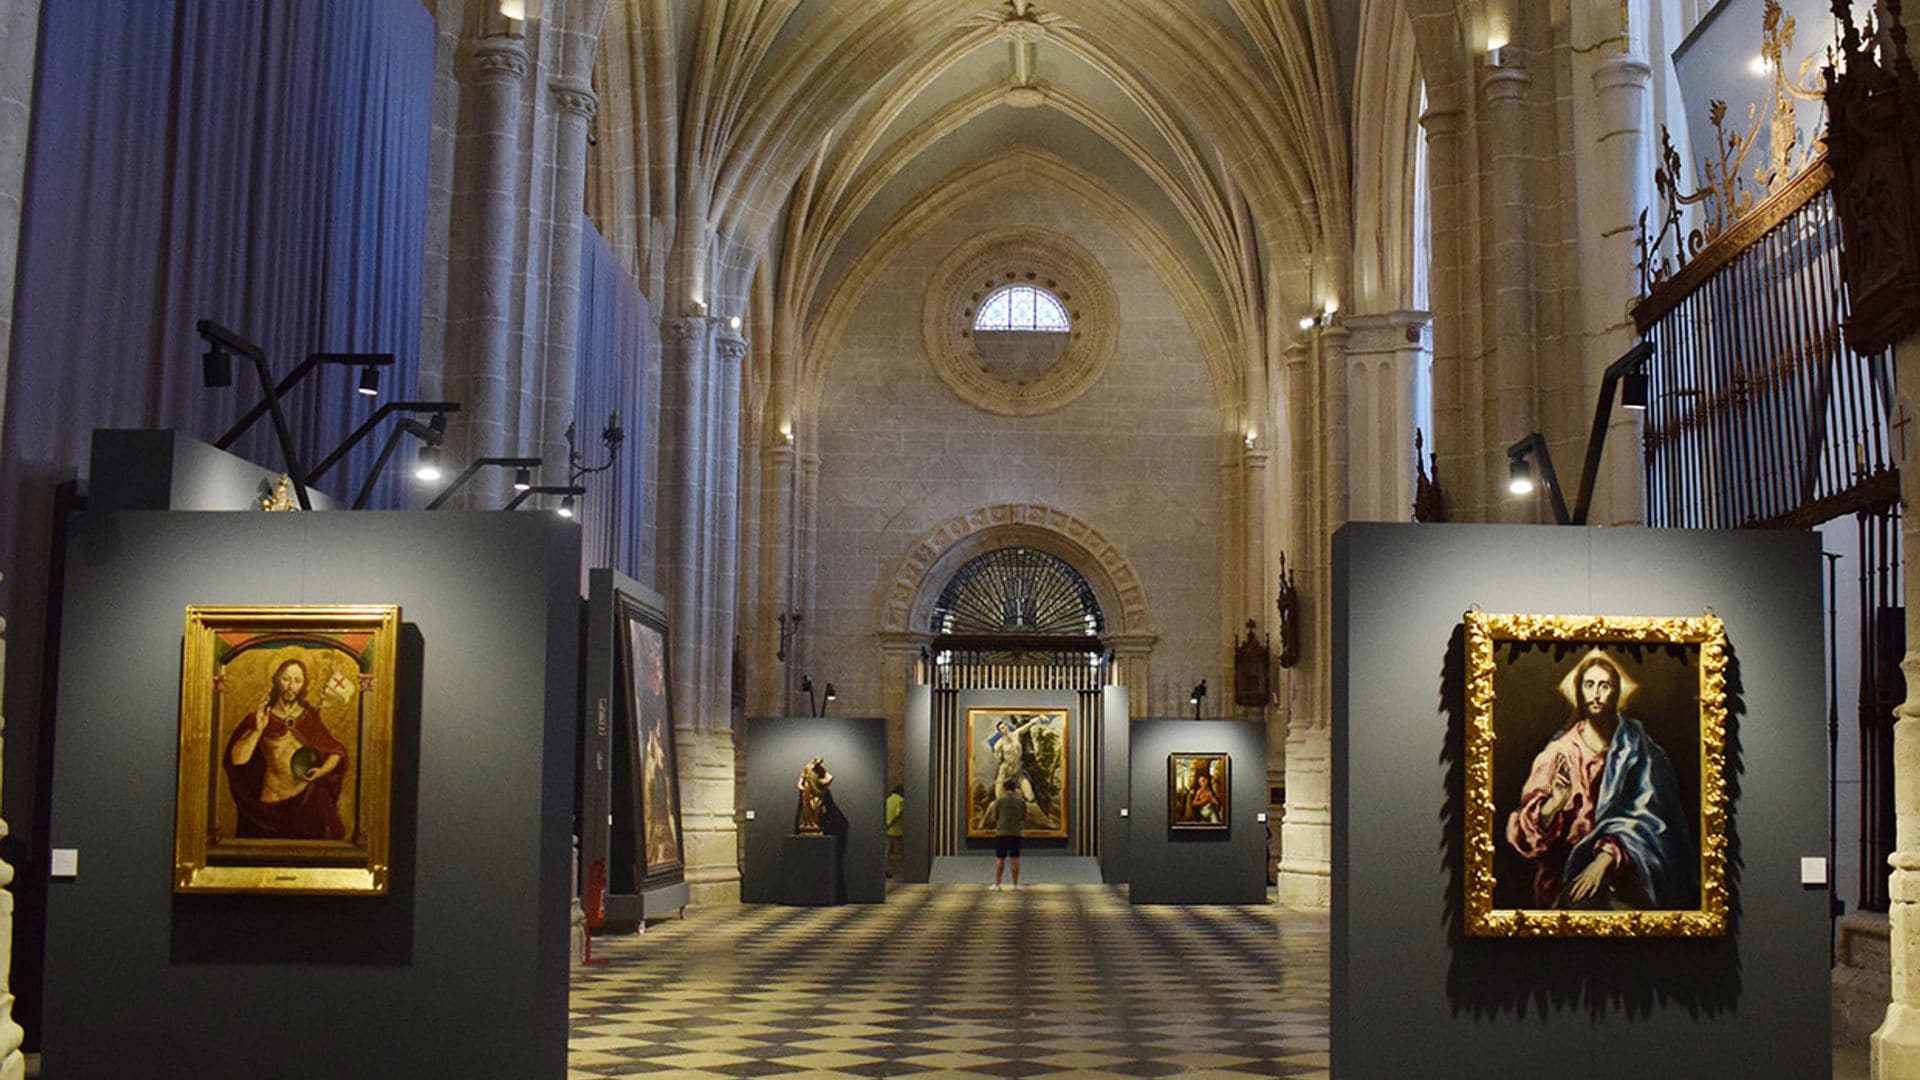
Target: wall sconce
[514, 9]
[733, 323]
[1497, 49]
[1195, 696]
[1252, 437]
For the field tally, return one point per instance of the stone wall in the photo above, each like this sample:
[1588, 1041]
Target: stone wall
[1138, 457]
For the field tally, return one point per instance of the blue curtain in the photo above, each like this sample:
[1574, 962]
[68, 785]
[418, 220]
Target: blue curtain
[261, 164]
[616, 327]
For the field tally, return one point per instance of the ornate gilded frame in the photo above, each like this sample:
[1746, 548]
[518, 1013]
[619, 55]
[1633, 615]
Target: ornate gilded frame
[981, 718]
[361, 639]
[1483, 631]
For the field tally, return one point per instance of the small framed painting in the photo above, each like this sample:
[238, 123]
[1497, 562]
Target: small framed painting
[1199, 787]
[285, 775]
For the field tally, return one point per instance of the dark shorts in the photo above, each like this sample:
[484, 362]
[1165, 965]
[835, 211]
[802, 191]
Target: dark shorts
[1006, 847]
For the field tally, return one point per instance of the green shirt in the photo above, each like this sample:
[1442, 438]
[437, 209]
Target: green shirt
[1011, 810]
[896, 805]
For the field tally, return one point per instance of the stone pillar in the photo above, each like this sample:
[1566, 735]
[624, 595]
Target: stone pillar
[1896, 1046]
[1514, 287]
[1253, 503]
[1613, 191]
[576, 104]
[1132, 670]
[1455, 438]
[772, 692]
[899, 662]
[481, 298]
[1383, 368]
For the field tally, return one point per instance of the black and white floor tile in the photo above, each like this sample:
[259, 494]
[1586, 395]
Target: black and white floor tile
[960, 981]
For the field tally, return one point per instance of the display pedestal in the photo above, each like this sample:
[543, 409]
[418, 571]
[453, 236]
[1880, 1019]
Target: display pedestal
[810, 871]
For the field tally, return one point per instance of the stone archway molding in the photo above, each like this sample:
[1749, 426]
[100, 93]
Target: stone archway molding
[940, 551]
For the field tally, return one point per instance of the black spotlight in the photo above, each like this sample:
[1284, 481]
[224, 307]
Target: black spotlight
[1633, 390]
[370, 381]
[427, 469]
[566, 507]
[523, 479]
[216, 368]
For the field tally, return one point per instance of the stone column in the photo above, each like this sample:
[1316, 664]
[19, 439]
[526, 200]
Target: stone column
[1514, 288]
[1383, 368]
[773, 691]
[1613, 191]
[1132, 670]
[1896, 1046]
[1318, 506]
[1455, 439]
[576, 104]
[481, 297]
[899, 660]
[1253, 503]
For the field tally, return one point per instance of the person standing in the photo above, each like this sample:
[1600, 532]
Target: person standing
[896, 828]
[1010, 816]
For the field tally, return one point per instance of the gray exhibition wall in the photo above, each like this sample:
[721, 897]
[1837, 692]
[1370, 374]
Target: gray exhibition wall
[474, 926]
[855, 749]
[1411, 994]
[916, 820]
[1170, 866]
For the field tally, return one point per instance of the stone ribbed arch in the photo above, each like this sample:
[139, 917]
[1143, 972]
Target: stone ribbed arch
[941, 551]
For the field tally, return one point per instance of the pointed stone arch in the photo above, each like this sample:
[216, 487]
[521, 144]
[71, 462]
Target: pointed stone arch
[934, 557]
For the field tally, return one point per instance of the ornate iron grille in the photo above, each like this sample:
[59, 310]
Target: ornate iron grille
[1760, 414]
[1017, 591]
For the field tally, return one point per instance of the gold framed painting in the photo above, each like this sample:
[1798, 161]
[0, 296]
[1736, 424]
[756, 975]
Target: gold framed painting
[1596, 801]
[286, 749]
[1198, 789]
[1028, 747]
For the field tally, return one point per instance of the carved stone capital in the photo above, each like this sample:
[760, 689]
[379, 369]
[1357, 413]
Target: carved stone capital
[1505, 85]
[1442, 121]
[1622, 73]
[687, 328]
[575, 97]
[732, 347]
[498, 59]
[1025, 97]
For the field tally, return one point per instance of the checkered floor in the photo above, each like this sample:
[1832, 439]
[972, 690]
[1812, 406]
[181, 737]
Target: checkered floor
[959, 981]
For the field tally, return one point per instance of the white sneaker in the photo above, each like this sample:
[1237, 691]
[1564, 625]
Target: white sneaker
[996, 888]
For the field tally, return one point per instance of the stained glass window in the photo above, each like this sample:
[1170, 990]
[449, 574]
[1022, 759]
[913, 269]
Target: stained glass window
[1022, 307]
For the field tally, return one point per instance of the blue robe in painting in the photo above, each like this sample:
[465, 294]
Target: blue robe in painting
[1638, 807]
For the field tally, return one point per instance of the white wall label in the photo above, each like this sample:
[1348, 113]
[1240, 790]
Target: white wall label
[66, 862]
[1813, 870]
[1123, 811]
[1261, 817]
[749, 815]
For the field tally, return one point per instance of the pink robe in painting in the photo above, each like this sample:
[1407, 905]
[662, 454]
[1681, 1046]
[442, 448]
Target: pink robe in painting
[1549, 847]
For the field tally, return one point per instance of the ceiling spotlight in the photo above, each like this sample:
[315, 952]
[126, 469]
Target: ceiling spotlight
[439, 422]
[1520, 476]
[216, 368]
[523, 479]
[830, 694]
[427, 469]
[370, 381]
[566, 507]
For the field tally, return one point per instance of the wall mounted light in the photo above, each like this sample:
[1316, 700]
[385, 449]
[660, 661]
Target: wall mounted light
[1497, 49]
[370, 381]
[427, 468]
[1195, 696]
[1251, 438]
[733, 322]
[1520, 472]
[1308, 322]
[216, 368]
[1633, 390]
[514, 9]
[827, 698]
[1332, 308]
[565, 509]
[515, 463]
[523, 479]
